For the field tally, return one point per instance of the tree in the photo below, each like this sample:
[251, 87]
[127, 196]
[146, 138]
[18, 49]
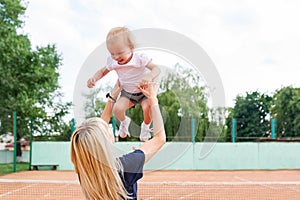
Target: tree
[183, 99]
[170, 107]
[286, 109]
[28, 78]
[217, 129]
[252, 114]
[94, 105]
[228, 124]
[180, 99]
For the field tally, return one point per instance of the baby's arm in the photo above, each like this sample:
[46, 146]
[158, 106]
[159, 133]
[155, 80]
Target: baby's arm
[97, 76]
[153, 75]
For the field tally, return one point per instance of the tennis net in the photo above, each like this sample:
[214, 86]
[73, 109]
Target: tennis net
[64, 190]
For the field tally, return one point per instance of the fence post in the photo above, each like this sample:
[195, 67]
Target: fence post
[15, 139]
[73, 125]
[30, 142]
[273, 128]
[233, 129]
[193, 130]
[113, 123]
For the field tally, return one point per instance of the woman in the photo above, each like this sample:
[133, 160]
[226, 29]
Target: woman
[101, 175]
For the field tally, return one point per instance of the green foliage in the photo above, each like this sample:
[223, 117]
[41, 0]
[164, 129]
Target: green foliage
[252, 114]
[217, 129]
[170, 107]
[10, 12]
[180, 99]
[183, 99]
[228, 124]
[95, 106]
[28, 78]
[286, 109]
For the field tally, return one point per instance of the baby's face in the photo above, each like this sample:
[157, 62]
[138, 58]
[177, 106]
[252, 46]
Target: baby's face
[120, 52]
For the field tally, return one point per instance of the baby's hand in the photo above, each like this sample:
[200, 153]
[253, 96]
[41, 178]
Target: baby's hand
[91, 83]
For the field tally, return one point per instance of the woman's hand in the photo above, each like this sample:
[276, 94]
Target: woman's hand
[146, 79]
[150, 91]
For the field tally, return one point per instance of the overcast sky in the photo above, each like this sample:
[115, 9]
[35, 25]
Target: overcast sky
[254, 44]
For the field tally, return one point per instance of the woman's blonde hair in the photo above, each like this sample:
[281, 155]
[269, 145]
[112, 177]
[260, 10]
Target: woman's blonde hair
[120, 33]
[93, 157]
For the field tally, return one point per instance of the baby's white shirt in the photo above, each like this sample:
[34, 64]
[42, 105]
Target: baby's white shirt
[130, 74]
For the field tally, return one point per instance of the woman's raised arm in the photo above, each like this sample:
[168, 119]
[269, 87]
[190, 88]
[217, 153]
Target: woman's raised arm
[111, 99]
[152, 146]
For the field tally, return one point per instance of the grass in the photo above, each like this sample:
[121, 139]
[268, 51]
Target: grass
[9, 168]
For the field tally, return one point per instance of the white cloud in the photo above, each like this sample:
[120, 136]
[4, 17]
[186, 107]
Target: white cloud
[254, 44]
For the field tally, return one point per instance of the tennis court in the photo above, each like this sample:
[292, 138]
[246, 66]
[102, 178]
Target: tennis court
[256, 184]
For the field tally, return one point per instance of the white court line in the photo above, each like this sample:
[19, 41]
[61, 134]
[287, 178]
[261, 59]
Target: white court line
[224, 183]
[16, 190]
[37, 181]
[247, 181]
[269, 185]
[33, 183]
[242, 182]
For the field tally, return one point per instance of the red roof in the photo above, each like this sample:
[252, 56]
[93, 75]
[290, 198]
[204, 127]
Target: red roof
[23, 144]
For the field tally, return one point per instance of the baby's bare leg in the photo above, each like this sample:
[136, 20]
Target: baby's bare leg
[146, 111]
[120, 107]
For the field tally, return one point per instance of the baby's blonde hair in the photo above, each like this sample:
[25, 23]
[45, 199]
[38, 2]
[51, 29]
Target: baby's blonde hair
[118, 33]
[92, 155]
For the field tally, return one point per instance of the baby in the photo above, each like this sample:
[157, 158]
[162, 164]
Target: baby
[131, 68]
